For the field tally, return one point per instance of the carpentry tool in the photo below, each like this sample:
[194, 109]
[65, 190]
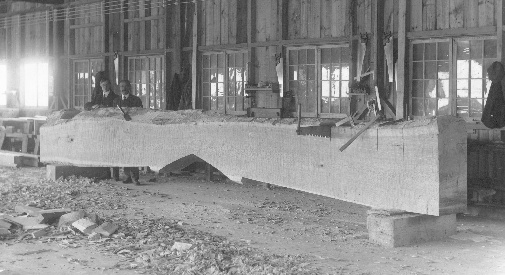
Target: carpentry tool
[370, 123]
[126, 116]
[318, 131]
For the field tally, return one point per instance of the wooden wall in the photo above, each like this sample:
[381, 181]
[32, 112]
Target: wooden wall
[144, 25]
[429, 15]
[86, 29]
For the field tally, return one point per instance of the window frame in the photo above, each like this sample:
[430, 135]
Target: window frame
[318, 80]
[453, 78]
[90, 80]
[147, 101]
[226, 82]
[23, 86]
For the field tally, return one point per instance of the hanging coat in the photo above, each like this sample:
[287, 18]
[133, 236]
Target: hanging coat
[493, 115]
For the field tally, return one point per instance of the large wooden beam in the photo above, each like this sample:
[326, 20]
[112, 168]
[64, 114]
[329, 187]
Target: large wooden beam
[416, 166]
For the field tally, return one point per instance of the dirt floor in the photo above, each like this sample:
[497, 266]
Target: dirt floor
[233, 229]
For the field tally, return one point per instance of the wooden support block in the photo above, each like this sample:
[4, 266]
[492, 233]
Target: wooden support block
[70, 218]
[265, 112]
[10, 159]
[106, 229]
[404, 229]
[39, 233]
[84, 225]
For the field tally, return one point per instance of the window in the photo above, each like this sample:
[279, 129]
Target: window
[146, 76]
[319, 79]
[3, 85]
[224, 79]
[35, 84]
[83, 80]
[449, 76]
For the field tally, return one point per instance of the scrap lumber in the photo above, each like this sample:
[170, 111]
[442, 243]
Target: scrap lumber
[416, 166]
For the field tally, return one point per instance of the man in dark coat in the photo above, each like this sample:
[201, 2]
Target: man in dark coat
[128, 100]
[105, 98]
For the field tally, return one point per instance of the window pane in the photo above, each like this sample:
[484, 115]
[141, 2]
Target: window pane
[443, 70]
[335, 55]
[335, 72]
[430, 70]
[431, 107]
[302, 73]
[325, 56]
[443, 51]
[476, 69]
[311, 73]
[311, 56]
[417, 70]
[293, 73]
[443, 106]
[417, 88]
[476, 88]
[476, 49]
[476, 107]
[417, 107]
[325, 72]
[335, 105]
[417, 50]
[463, 69]
[325, 88]
[346, 54]
[430, 88]
[344, 89]
[430, 51]
[462, 106]
[293, 57]
[462, 86]
[463, 52]
[302, 57]
[325, 104]
[490, 48]
[443, 89]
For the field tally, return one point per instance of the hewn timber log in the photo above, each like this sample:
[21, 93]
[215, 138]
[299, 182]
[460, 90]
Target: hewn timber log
[416, 166]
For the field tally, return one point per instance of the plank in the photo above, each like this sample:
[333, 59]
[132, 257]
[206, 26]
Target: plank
[416, 15]
[340, 13]
[274, 23]
[294, 25]
[472, 14]
[142, 33]
[326, 18]
[304, 18]
[209, 27]
[232, 21]
[429, 15]
[260, 28]
[442, 14]
[154, 28]
[457, 10]
[225, 22]
[216, 33]
[314, 24]
[391, 154]
[368, 16]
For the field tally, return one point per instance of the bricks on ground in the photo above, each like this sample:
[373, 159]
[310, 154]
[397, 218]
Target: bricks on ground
[106, 229]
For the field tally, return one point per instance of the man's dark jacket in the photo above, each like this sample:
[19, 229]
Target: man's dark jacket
[104, 101]
[131, 101]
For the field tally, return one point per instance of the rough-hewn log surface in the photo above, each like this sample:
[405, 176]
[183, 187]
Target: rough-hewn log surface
[416, 166]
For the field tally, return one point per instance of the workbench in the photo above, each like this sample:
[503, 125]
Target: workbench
[24, 130]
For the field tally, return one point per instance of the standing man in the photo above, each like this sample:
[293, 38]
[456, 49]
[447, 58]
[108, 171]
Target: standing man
[128, 100]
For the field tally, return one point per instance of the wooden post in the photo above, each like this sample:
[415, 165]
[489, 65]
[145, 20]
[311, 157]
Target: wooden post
[499, 30]
[402, 62]
[378, 41]
[177, 38]
[194, 58]
[251, 12]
